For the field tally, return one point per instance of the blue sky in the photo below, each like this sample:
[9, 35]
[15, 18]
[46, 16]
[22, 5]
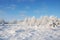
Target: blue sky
[19, 9]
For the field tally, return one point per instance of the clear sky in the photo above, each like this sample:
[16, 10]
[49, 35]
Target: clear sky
[18, 9]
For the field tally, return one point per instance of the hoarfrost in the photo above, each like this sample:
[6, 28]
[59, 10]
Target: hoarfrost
[44, 28]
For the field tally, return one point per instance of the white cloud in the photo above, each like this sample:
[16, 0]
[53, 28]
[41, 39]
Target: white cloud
[31, 0]
[21, 0]
[36, 11]
[25, 0]
[13, 7]
[2, 12]
[27, 7]
[22, 13]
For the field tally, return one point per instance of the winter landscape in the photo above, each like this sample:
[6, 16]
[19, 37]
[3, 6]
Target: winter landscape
[29, 19]
[43, 28]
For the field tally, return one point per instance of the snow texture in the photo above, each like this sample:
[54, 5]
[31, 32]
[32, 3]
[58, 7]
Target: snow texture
[44, 28]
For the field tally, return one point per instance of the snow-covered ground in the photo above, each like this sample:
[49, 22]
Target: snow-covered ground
[44, 28]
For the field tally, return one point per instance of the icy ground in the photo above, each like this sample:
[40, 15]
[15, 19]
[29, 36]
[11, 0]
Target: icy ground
[46, 30]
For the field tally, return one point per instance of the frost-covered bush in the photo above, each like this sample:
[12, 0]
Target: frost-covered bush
[44, 28]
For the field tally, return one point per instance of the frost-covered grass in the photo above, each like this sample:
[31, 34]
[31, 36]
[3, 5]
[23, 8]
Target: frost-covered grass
[44, 29]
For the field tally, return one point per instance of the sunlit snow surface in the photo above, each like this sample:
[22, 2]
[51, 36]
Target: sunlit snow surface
[20, 32]
[29, 32]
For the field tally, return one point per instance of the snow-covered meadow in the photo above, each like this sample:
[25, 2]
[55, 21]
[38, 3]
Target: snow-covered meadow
[43, 28]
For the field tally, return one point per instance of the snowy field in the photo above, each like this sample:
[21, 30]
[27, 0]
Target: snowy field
[44, 28]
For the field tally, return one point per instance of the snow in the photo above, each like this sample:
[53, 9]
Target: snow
[44, 28]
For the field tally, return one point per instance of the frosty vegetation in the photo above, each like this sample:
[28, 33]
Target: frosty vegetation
[43, 28]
